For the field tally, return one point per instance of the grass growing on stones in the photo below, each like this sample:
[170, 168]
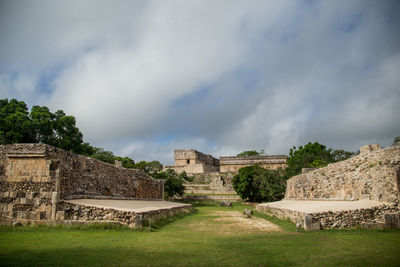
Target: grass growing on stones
[211, 236]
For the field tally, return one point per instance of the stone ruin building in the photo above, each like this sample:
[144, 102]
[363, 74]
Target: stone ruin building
[41, 184]
[193, 162]
[363, 190]
[213, 177]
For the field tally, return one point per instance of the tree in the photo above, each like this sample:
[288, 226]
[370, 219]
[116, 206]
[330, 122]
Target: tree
[257, 184]
[15, 124]
[66, 135]
[248, 153]
[126, 162]
[42, 124]
[152, 167]
[173, 182]
[105, 156]
[312, 155]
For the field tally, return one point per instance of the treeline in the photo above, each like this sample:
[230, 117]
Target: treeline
[18, 125]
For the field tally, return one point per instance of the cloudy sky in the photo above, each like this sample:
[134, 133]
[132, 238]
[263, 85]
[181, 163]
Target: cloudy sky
[146, 77]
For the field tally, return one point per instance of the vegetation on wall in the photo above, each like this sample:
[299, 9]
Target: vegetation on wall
[250, 153]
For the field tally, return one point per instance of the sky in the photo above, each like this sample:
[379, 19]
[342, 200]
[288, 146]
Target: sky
[143, 78]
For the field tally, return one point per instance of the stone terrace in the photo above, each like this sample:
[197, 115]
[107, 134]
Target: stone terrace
[37, 180]
[361, 190]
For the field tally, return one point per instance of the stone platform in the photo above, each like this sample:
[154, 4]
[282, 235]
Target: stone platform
[132, 213]
[312, 206]
[325, 214]
[129, 205]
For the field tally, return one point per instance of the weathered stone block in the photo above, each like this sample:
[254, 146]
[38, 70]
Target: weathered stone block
[60, 215]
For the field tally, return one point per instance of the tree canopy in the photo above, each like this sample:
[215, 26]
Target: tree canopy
[255, 183]
[313, 155]
[40, 126]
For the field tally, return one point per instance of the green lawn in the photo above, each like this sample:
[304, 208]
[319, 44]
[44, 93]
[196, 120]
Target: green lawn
[198, 239]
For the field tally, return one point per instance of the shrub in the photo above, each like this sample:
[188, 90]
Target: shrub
[255, 183]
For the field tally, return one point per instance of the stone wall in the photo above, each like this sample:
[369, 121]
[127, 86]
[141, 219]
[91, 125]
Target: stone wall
[333, 219]
[374, 174]
[233, 164]
[74, 213]
[33, 177]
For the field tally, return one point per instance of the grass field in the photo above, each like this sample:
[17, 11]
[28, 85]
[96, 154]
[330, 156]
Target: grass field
[207, 237]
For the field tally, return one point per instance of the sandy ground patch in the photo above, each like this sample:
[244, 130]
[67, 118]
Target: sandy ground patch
[233, 222]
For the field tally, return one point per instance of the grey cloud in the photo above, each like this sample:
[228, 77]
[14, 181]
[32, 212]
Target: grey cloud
[143, 78]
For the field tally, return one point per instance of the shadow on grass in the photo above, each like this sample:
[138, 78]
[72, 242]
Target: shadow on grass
[101, 226]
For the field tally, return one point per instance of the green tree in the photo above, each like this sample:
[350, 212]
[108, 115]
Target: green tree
[15, 124]
[67, 136]
[248, 153]
[312, 155]
[126, 162]
[173, 182]
[42, 124]
[255, 183]
[105, 156]
[150, 167]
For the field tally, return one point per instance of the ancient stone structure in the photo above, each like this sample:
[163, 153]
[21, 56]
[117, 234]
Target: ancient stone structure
[233, 164]
[372, 176]
[35, 179]
[211, 186]
[192, 161]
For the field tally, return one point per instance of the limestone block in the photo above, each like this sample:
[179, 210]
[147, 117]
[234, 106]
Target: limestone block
[22, 200]
[21, 215]
[13, 194]
[60, 215]
[48, 211]
[307, 222]
[36, 201]
[47, 195]
[392, 221]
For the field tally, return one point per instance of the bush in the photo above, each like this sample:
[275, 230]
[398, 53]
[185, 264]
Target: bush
[255, 183]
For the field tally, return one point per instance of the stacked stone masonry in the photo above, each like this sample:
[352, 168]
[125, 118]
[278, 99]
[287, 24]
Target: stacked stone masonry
[371, 175]
[192, 161]
[233, 164]
[374, 174]
[35, 178]
[211, 186]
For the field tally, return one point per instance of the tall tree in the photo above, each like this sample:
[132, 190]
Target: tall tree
[15, 124]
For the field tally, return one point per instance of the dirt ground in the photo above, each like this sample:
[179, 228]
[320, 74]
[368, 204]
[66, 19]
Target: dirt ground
[233, 222]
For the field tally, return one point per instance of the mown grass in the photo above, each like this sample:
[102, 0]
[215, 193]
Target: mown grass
[196, 240]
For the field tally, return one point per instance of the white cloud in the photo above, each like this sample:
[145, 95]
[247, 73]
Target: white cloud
[220, 76]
